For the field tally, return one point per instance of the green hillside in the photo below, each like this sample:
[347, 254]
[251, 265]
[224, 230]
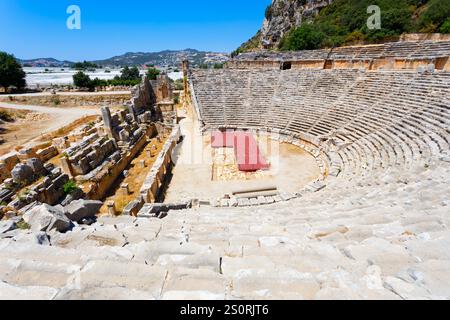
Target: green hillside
[344, 22]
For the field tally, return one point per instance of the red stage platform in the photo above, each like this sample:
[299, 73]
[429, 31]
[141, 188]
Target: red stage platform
[246, 149]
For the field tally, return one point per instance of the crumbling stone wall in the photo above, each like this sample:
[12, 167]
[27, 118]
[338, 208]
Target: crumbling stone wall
[104, 179]
[33, 181]
[155, 179]
[143, 99]
[7, 163]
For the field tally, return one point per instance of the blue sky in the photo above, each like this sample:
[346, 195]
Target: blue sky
[37, 28]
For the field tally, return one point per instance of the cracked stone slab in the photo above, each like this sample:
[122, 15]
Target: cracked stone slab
[11, 292]
[196, 284]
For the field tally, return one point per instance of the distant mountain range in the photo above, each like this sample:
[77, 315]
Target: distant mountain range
[167, 58]
[45, 62]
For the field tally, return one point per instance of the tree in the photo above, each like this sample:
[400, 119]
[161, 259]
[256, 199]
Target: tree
[11, 72]
[305, 37]
[130, 73]
[84, 65]
[82, 80]
[152, 73]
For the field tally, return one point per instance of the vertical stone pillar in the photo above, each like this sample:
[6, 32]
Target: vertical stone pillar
[107, 121]
[133, 113]
[66, 167]
[185, 80]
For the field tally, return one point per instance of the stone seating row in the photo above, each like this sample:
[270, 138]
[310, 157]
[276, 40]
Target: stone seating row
[406, 50]
[390, 118]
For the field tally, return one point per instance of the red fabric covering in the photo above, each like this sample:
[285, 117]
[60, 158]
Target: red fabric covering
[248, 154]
[221, 139]
[246, 149]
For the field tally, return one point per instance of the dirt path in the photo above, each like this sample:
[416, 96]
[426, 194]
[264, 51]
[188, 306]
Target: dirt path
[40, 94]
[23, 133]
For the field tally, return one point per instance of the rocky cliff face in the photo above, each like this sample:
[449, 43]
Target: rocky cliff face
[282, 16]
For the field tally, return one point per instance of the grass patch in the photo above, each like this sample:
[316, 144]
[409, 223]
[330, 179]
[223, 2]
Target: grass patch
[22, 225]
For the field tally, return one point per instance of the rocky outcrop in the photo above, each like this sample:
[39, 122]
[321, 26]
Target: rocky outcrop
[281, 17]
[47, 218]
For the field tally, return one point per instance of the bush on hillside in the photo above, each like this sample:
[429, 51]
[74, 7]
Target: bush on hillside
[445, 28]
[305, 37]
[435, 16]
[345, 22]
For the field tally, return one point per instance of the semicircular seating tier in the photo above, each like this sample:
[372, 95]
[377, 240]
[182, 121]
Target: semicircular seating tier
[376, 119]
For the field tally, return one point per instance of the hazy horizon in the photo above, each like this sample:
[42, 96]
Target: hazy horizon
[104, 58]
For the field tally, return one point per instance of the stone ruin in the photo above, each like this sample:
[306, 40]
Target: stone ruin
[93, 155]
[375, 229]
[33, 181]
[401, 55]
[143, 97]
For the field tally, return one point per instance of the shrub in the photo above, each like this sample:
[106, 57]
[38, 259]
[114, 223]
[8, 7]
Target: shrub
[55, 100]
[179, 85]
[6, 116]
[354, 37]
[445, 28]
[22, 225]
[69, 187]
[305, 37]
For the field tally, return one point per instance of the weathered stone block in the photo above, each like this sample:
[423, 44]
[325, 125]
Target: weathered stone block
[47, 218]
[79, 209]
[36, 165]
[22, 173]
